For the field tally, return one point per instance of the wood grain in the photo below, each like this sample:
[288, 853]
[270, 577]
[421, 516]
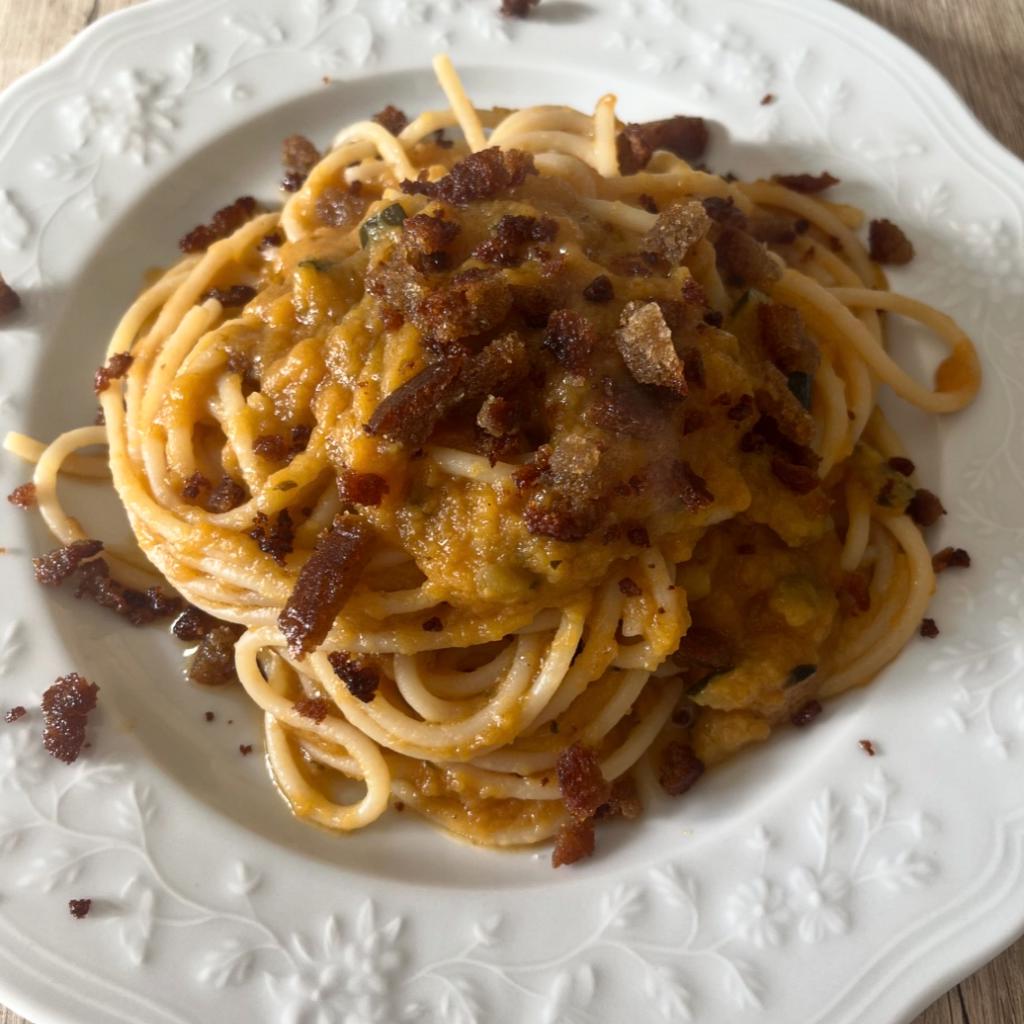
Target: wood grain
[978, 46]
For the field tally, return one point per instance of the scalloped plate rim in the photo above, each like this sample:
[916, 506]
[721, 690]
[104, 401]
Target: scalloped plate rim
[944, 974]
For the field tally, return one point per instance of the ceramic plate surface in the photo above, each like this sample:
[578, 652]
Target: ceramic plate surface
[806, 882]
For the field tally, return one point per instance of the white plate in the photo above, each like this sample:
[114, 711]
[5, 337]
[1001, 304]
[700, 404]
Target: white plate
[805, 882]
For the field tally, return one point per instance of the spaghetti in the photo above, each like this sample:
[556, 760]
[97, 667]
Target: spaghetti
[525, 465]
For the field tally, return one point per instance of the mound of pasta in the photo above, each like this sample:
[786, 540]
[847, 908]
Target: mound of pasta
[525, 469]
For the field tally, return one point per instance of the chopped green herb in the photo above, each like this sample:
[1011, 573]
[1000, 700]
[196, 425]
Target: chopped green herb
[800, 384]
[741, 302]
[800, 673]
[751, 294]
[701, 686]
[389, 217]
[321, 266]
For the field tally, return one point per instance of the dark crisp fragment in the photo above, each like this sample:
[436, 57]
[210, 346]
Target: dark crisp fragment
[246, 367]
[854, 593]
[271, 241]
[245, 749]
[325, 583]
[772, 228]
[225, 221]
[625, 409]
[192, 624]
[429, 232]
[498, 416]
[629, 587]
[902, 466]
[928, 629]
[951, 558]
[361, 488]
[557, 517]
[645, 341]
[272, 447]
[391, 118]
[636, 143]
[745, 261]
[79, 908]
[806, 714]
[677, 230]
[704, 653]
[213, 663]
[14, 714]
[299, 439]
[474, 301]
[693, 367]
[741, 409]
[888, 243]
[806, 182]
[409, 414]
[518, 9]
[209, 716]
[139, 607]
[511, 235]
[925, 508]
[575, 839]
[299, 156]
[313, 708]
[624, 801]
[341, 207]
[56, 566]
[432, 625]
[533, 304]
[725, 212]
[234, 297]
[690, 486]
[193, 485]
[638, 536]
[228, 494]
[570, 337]
[680, 768]
[116, 367]
[566, 484]
[767, 433]
[776, 398]
[797, 478]
[275, 539]
[361, 678]
[867, 746]
[485, 175]
[783, 340]
[501, 365]
[600, 289]
[10, 301]
[66, 706]
[23, 496]
[583, 787]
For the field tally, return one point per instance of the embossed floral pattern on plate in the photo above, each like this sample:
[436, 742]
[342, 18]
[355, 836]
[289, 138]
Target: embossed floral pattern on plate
[877, 878]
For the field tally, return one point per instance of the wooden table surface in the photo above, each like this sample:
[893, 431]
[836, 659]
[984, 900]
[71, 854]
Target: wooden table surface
[979, 46]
